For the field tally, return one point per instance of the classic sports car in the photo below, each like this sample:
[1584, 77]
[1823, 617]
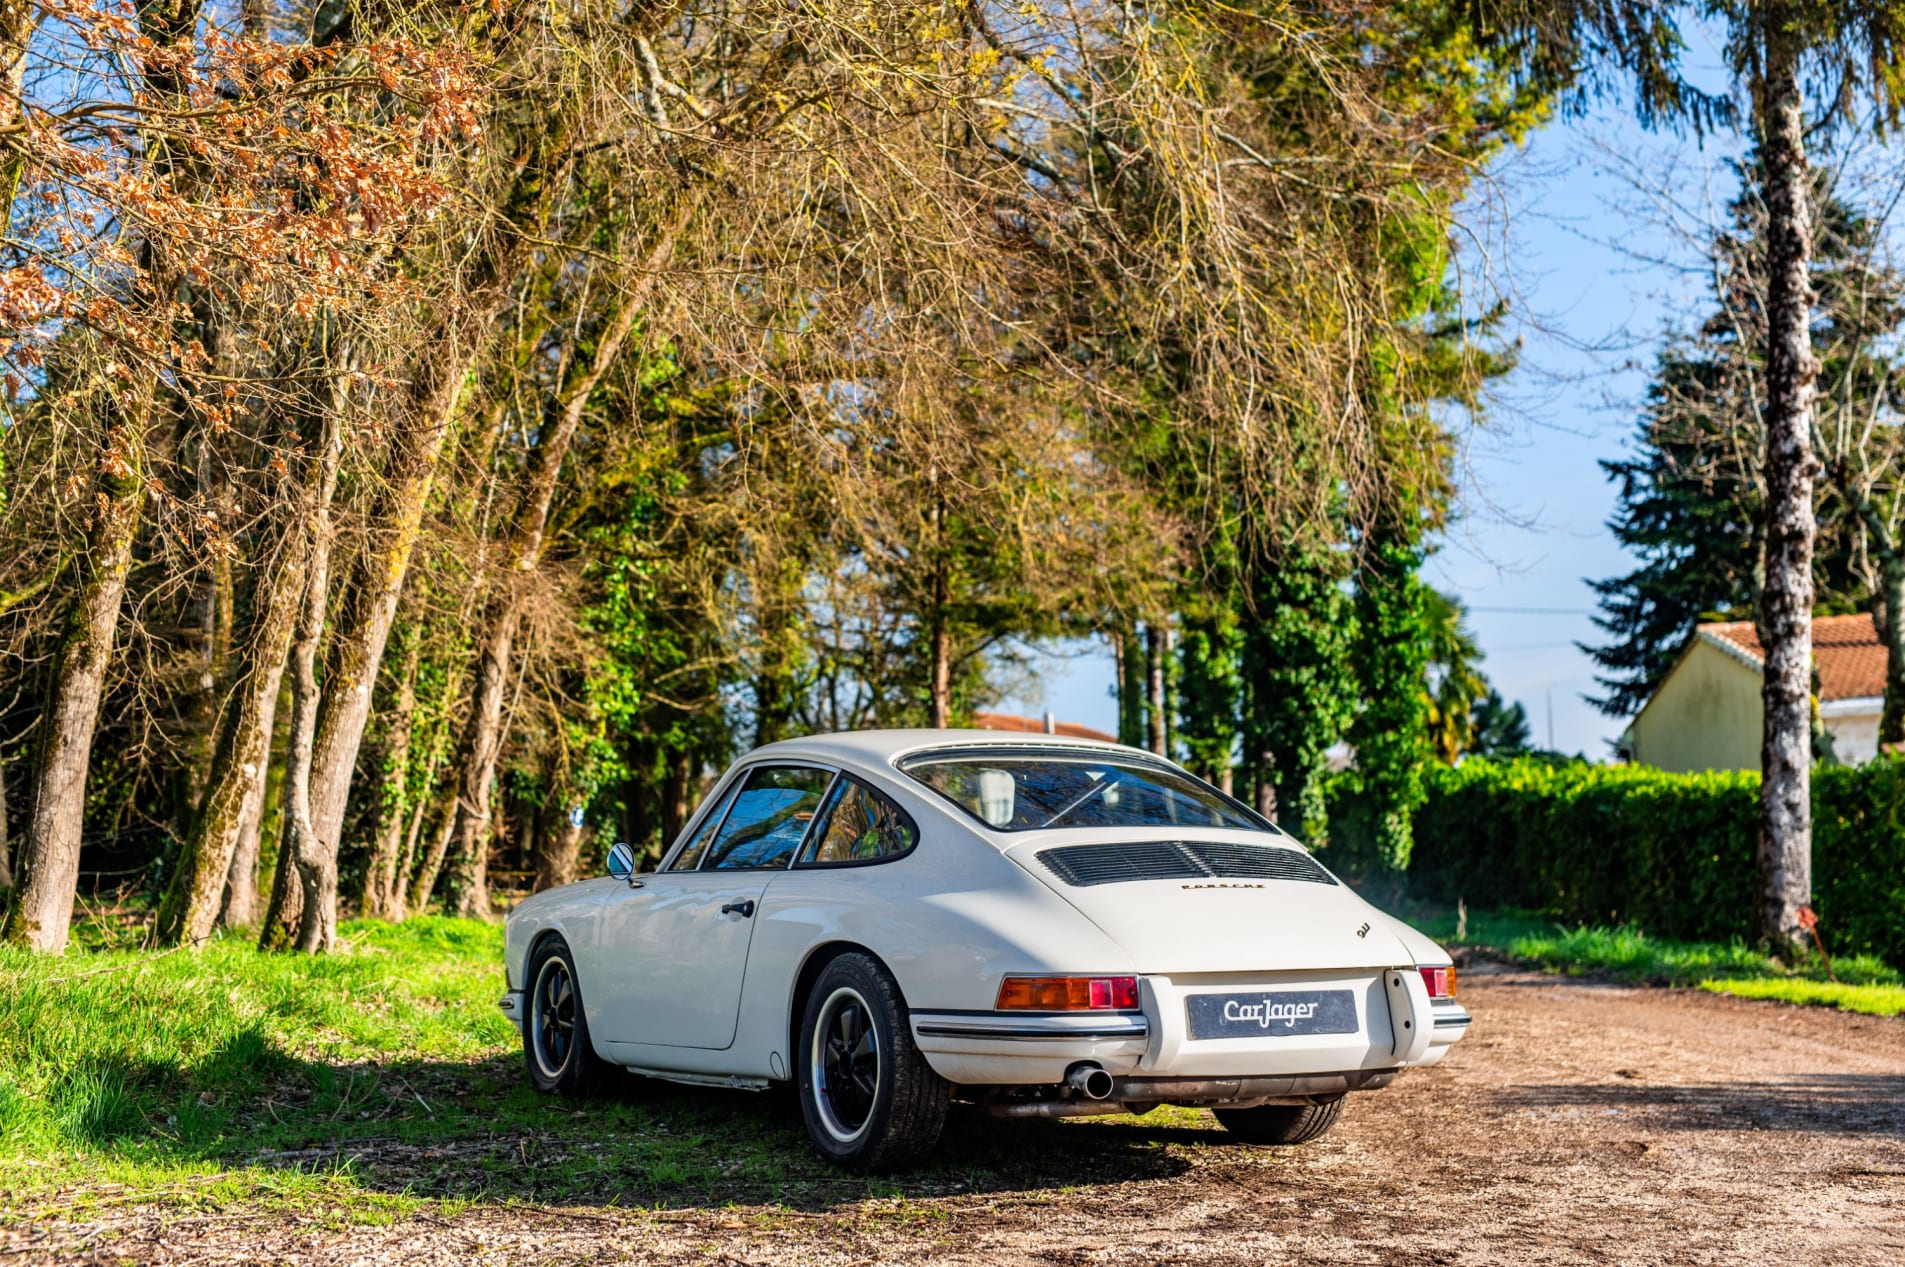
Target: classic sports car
[891, 920]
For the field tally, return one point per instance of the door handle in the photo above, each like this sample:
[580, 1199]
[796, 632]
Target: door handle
[744, 909]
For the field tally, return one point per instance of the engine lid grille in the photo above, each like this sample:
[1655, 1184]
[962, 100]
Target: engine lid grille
[1085, 865]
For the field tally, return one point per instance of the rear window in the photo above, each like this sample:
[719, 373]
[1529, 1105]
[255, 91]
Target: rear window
[1011, 789]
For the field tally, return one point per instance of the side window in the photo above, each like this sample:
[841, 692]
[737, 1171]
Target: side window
[861, 826]
[690, 856]
[768, 819]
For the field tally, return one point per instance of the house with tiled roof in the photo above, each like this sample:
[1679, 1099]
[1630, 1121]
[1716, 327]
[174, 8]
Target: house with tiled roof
[1707, 713]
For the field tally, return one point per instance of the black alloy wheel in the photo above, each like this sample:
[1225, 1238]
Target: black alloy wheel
[846, 1064]
[556, 1032]
[869, 1099]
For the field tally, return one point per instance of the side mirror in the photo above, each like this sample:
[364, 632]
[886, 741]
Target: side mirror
[621, 861]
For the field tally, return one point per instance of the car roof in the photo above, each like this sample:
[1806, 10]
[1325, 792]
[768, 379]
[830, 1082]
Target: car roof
[884, 747]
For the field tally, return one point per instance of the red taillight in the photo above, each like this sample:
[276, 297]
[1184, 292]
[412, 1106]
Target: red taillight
[1441, 982]
[1068, 994]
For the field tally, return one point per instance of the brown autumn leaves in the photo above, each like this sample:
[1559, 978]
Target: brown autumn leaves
[296, 300]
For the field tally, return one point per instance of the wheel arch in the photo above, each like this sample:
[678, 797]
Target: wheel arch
[810, 969]
[543, 937]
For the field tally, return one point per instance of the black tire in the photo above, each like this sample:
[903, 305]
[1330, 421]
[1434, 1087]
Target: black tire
[869, 1099]
[1281, 1124]
[556, 1047]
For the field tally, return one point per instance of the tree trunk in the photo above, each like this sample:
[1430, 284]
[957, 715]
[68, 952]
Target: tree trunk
[319, 772]
[426, 882]
[241, 882]
[1267, 785]
[301, 868]
[43, 910]
[190, 908]
[467, 882]
[383, 880]
[942, 656]
[677, 792]
[468, 893]
[1155, 709]
[6, 855]
[1784, 859]
[18, 18]
[1130, 653]
[557, 848]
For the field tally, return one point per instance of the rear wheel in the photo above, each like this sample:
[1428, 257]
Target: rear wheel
[1281, 1123]
[869, 1099]
[556, 1046]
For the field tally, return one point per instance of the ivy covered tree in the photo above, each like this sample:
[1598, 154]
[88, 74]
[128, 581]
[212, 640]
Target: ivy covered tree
[1299, 690]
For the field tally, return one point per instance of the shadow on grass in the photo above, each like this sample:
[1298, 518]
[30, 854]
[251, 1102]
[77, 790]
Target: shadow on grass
[1836, 1104]
[476, 1131]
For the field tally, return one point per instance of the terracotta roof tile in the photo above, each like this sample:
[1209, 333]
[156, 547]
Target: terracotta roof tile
[1851, 657]
[1034, 725]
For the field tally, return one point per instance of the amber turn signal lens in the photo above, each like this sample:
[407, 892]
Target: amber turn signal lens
[1441, 982]
[1068, 994]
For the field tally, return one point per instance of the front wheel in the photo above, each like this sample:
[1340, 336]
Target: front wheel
[870, 1100]
[1281, 1123]
[556, 1046]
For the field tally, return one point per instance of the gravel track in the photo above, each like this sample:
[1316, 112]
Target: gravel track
[1577, 1123]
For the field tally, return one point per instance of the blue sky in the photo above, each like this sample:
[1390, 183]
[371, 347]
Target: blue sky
[1594, 269]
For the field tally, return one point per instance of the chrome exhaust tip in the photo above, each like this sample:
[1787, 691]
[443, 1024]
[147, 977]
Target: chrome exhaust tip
[1090, 1081]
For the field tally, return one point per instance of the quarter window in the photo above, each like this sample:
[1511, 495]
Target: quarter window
[860, 825]
[769, 818]
[690, 857]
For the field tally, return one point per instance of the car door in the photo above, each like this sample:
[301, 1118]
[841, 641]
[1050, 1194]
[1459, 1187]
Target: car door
[673, 952]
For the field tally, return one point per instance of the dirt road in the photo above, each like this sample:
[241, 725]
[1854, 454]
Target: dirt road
[1576, 1123]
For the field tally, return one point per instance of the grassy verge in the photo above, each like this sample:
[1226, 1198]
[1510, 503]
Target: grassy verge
[1873, 1000]
[361, 1084]
[1865, 984]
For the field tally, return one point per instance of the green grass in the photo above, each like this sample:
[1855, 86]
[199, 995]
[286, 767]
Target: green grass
[1627, 954]
[1873, 1000]
[1864, 983]
[363, 1083]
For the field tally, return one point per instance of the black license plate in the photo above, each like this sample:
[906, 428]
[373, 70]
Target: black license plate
[1272, 1014]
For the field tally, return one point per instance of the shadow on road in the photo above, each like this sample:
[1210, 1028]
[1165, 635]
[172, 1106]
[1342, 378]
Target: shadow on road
[1845, 1104]
[475, 1131]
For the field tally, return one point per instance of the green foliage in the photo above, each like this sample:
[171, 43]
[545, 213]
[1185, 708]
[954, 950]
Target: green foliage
[1394, 628]
[1298, 687]
[1210, 652]
[1671, 853]
[1501, 728]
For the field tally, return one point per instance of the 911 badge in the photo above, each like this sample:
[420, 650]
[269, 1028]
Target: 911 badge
[1283, 1013]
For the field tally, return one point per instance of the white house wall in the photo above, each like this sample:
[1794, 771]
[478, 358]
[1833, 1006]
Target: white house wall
[1854, 727]
[1705, 716]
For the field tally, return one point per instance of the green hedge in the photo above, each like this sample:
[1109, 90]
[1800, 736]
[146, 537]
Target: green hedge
[1669, 853]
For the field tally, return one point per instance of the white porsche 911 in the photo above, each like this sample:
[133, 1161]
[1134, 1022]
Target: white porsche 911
[891, 920]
